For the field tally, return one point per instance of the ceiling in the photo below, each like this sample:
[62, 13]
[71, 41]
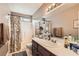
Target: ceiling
[24, 8]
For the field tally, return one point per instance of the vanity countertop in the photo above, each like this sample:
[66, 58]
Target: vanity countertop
[55, 48]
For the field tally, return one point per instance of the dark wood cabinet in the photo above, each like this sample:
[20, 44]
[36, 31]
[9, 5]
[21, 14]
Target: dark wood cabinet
[1, 33]
[43, 51]
[34, 48]
[38, 50]
[58, 32]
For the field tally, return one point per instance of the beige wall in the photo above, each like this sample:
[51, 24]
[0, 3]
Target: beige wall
[4, 11]
[63, 19]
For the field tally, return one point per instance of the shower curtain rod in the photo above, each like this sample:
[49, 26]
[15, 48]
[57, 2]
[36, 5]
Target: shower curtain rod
[20, 15]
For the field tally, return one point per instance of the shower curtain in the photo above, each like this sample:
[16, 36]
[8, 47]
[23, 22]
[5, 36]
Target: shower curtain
[15, 41]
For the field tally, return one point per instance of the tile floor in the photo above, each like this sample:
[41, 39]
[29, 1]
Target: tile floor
[28, 51]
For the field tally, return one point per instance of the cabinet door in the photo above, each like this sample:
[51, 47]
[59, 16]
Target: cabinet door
[34, 44]
[1, 34]
[43, 51]
[34, 51]
[34, 48]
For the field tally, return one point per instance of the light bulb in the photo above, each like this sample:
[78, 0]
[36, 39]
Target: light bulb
[49, 7]
[53, 4]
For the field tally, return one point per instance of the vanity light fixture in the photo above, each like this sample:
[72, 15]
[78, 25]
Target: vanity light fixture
[52, 6]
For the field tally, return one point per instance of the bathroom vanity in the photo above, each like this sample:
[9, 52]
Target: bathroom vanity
[39, 50]
[42, 47]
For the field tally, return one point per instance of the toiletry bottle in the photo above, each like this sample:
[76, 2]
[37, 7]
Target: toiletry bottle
[66, 42]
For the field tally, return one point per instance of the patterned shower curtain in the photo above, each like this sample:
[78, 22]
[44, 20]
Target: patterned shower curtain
[15, 41]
